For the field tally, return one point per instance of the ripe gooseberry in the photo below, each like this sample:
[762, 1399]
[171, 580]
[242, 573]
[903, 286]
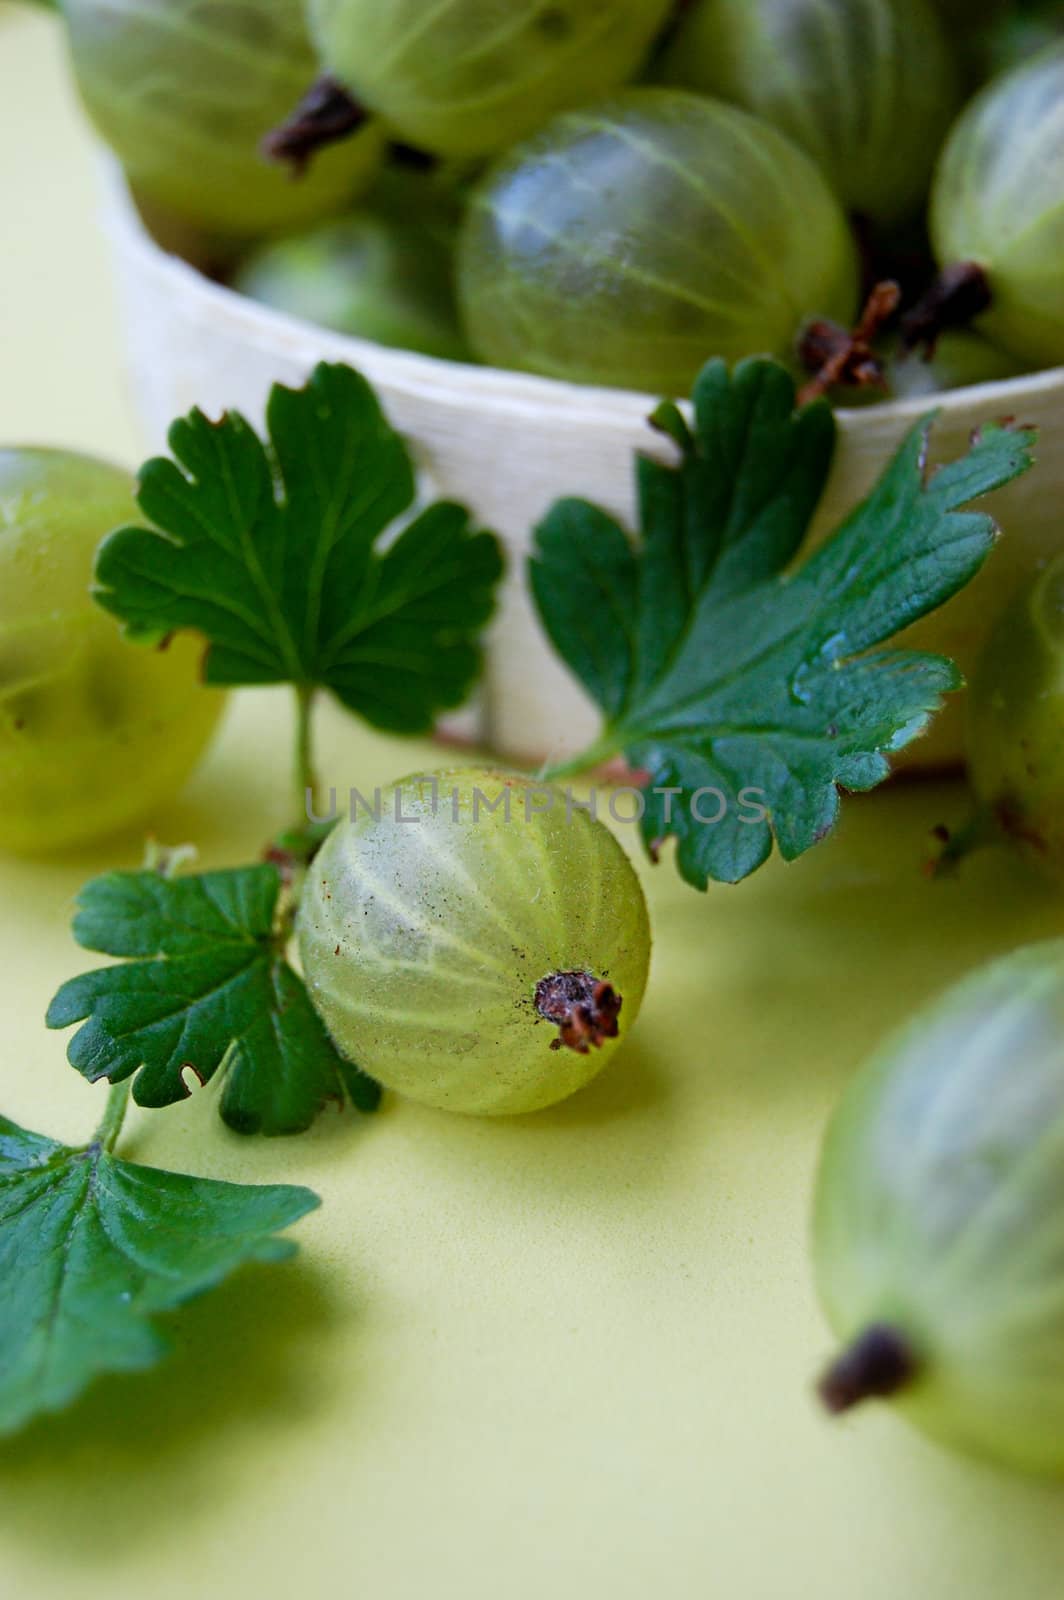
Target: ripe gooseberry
[381, 274]
[997, 213]
[1016, 723]
[627, 243]
[184, 93]
[94, 731]
[939, 1218]
[475, 942]
[468, 77]
[867, 88]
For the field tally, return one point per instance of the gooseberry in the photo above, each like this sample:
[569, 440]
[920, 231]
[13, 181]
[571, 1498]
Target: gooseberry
[627, 243]
[95, 732]
[475, 941]
[866, 87]
[468, 77]
[998, 210]
[1016, 722]
[386, 276]
[939, 1218]
[184, 93]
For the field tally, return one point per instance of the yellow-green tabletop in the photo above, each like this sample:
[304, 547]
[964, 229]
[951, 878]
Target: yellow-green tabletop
[567, 1355]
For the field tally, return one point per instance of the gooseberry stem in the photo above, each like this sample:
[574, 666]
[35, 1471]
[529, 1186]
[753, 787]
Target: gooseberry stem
[106, 1135]
[838, 358]
[877, 1365]
[326, 115]
[959, 294]
[306, 778]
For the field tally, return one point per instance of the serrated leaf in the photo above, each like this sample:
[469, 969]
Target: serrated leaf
[92, 1248]
[205, 984]
[278, 555]
[721, 670]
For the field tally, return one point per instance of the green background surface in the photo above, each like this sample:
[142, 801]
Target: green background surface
[566, 1355]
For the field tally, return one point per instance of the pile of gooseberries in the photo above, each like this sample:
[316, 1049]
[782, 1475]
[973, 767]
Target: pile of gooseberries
[631, 187]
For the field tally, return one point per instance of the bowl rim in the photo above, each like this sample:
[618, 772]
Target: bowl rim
[493, 389]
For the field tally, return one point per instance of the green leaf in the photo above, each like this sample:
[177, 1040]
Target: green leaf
[92, 1248]
[275, 555]
[206, 986]
[719, 666]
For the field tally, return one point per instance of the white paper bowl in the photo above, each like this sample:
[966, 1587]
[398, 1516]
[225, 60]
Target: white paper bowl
[508, 445]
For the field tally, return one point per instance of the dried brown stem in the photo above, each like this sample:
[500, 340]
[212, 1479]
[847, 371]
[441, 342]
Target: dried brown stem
[584, 1008]
[958, 295]
[877, 1365]
[326, 115]
[838, 357]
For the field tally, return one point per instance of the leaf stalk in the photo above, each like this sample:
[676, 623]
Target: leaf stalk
[306, 776]
[106, 1135]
